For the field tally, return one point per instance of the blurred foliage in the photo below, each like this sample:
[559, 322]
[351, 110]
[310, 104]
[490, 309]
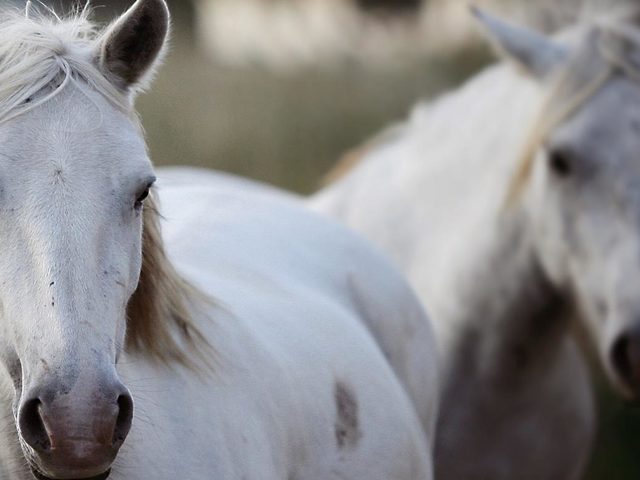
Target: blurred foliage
[287, 129]
[616, 455]
[284, 129]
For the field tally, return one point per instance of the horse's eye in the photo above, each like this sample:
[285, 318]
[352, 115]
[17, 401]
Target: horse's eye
[141, 198]
[561, 162]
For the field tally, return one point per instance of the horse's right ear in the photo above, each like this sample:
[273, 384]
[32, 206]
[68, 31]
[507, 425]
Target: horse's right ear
[131, 48]
[535, 53]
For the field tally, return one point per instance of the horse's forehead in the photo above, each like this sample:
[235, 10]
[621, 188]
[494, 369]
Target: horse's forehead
[620, 94]
[74, 128]
[80, 113]
[611, 115]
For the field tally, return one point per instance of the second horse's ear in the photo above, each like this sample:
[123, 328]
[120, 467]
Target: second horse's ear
[132, 47]
[537, 54]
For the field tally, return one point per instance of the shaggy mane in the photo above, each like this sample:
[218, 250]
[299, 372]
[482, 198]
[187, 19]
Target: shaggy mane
[354, 157]
[160, 312]
[40, 54]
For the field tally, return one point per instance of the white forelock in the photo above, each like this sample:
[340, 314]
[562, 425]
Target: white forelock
[41, 53]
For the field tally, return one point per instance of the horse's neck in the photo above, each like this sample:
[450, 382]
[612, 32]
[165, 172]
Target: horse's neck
[507, 319]
[440, 188]
[489, 294]
[454, 157]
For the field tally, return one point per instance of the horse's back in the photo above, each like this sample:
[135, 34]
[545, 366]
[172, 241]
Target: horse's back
[302, 378]
[355, 273]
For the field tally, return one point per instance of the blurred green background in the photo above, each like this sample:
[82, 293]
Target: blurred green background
[288, 128]
[283, 127]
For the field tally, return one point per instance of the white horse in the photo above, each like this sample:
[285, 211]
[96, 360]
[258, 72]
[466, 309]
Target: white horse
[513, 205]
[111, 364]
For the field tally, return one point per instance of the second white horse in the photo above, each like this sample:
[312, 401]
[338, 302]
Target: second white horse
[513, 205]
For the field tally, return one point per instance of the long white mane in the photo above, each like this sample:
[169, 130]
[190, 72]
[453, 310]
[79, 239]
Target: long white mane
[41, 53]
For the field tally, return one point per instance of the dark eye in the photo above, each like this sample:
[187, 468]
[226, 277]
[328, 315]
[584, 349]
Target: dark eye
[561, 162]
[142, 197]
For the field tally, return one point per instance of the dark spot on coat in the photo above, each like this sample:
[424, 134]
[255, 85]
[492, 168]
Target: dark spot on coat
[347, 428]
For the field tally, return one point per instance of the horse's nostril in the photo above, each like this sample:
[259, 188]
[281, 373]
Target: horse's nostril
[625, 357]
[32, 426]
[125, 417]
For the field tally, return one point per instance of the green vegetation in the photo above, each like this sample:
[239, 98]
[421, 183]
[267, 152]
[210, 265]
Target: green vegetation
[286, 129]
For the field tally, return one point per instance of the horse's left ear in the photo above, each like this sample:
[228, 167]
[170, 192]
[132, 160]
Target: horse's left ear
[539, 55]
[131, 48]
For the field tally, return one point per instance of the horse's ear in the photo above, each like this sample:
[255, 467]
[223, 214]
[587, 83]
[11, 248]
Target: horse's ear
[537, 54]
[131, 48]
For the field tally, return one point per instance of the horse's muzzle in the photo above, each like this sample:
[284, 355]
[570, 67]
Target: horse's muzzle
[75, 435]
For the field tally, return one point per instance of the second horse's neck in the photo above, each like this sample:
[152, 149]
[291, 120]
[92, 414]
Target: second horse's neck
[512, 318]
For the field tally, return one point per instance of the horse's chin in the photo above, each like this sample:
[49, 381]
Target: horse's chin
[58, 473]
[40, 476]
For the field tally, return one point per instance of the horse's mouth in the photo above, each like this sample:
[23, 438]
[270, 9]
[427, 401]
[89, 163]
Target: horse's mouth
[40, 476]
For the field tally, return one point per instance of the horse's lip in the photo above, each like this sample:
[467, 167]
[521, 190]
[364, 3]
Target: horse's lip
[40, 476]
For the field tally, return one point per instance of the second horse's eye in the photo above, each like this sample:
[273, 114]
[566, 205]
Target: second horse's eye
[561, 162]
[141, 198]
